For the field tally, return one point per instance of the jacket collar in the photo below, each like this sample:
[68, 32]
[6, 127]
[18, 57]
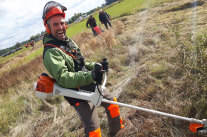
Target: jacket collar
[50, 37]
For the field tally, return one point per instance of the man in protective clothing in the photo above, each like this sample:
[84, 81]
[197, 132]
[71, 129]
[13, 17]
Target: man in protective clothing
[63, 60]
[92, 22]
[104, 18]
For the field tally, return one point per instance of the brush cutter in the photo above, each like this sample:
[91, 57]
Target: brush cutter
[46, 87]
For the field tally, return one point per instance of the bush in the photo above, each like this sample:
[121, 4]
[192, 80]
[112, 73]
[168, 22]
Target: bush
[125, 14]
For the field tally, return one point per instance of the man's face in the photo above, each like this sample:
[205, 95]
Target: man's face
[57, 27]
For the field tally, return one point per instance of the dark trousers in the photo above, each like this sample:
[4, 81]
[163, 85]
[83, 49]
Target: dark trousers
[107, 22]
[88, 115]
[94, 32]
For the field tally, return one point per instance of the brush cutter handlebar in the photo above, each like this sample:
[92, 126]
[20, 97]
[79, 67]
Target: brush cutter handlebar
[46, 87]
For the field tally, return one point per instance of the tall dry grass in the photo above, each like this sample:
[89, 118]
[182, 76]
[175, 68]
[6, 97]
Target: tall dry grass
[119, 27]
[10, 79]
[89, 44]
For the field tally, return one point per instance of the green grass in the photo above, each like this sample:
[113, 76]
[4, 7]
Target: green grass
[22, 51]
[34, 54]
[9, 113]
[76, 28]
[7, 58]
[126, 6]
[26, 59]
[29, 58]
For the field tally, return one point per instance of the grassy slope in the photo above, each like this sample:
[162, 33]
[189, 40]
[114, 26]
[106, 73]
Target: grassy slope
[154, 75]
[16, 54]
[126, 6]
[7, 58]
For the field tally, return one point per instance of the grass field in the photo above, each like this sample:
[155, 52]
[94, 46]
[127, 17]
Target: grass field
[151, 74]
[7, 58]
[127, 6]
[28, 58]
[118, 9]
[18, 53]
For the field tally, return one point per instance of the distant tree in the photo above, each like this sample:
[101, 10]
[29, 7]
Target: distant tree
[98, 8]
[42, 32]
[108, 2]
[74, 17]
[17, 45]
[103, 5]
[32, 38]
[70, 21]
[91, 11]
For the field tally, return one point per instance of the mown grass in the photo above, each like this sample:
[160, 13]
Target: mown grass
[7, 58]
[126, 6]
[23, 60]
[18, 53]
[29, 57]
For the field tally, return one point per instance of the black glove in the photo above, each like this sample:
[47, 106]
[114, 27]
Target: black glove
[105, 64]
[97, 73]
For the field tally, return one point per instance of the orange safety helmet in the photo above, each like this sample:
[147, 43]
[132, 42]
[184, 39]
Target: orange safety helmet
[52, 8]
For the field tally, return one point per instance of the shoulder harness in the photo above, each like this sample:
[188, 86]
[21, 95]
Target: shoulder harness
[72, 51]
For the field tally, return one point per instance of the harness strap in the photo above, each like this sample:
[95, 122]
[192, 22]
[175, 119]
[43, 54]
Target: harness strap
[75, 58]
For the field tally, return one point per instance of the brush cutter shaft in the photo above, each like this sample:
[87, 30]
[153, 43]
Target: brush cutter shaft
[154, 111]
[191, 120]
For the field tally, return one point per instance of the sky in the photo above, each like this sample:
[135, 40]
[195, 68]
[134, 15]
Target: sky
[20, 19]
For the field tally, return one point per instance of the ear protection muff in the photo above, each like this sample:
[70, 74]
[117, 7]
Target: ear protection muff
[47, 29]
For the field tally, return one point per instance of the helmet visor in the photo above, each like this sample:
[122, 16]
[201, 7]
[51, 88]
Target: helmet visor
[49, 6]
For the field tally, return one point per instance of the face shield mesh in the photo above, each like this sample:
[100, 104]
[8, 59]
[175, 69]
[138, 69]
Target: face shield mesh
[49, 6]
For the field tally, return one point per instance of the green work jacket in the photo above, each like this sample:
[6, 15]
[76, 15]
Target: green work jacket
[61, 66]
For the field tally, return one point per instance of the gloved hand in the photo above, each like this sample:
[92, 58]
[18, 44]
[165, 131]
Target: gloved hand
[105, 64]
[97, 73]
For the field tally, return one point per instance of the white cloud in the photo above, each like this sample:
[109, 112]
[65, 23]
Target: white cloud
[20, 19]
